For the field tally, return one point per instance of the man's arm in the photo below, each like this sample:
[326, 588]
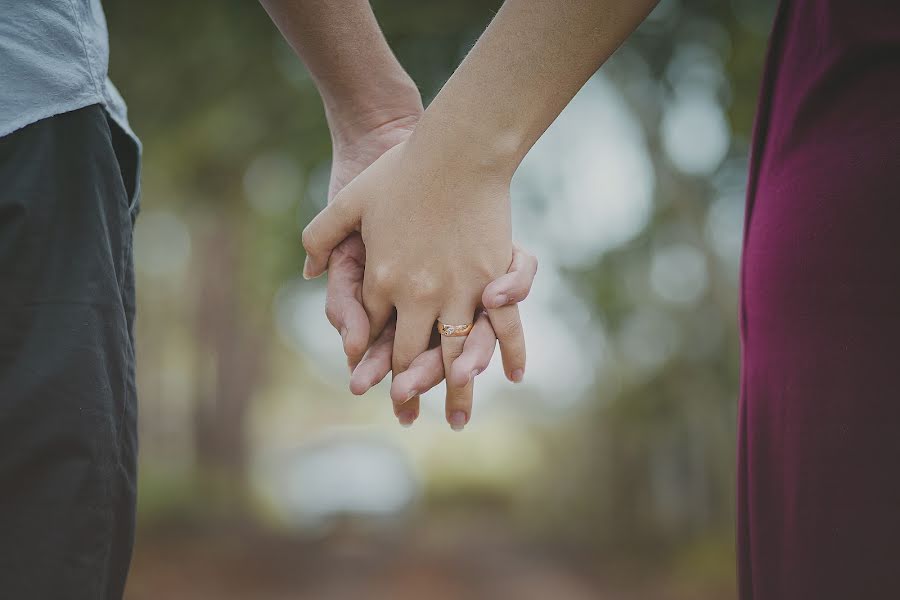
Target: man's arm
[371, 105]
[361, 83]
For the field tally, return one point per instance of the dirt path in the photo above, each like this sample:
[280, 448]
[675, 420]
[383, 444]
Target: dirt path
[472, 564]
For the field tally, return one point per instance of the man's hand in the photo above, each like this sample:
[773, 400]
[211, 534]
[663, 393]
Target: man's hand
[352, 154]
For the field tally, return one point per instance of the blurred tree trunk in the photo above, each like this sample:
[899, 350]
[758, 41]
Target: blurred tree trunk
[231, 356]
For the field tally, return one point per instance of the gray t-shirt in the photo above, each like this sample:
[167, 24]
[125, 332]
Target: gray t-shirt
[54, 55]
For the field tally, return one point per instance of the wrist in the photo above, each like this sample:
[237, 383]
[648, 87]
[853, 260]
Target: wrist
[389, 104]
[471, 143]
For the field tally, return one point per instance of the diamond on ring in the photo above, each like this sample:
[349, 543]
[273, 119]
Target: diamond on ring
[454, 330]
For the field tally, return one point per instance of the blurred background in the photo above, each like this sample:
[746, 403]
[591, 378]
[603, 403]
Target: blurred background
[608, 473]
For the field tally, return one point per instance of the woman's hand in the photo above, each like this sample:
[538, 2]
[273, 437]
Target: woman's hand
[427, 370]
[436, 231]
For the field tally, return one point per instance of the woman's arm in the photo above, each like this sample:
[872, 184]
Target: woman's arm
[525, 68]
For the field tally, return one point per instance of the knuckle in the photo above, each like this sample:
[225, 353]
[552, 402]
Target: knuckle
[402, 359]
[340, 206]
[383, 277]
[486, 270]
[355, 347]
[452, 352]
[344, 251]
[308, 238]
[333, 312]
[482, 361]
[423, 287]
[421, 295]
[528, 257]
[512, 297]
[509, 327]
[398, 393]
[340, 200]
[519, 293]
[480, 270]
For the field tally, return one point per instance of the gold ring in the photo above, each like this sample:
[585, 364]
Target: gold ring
[454, 330]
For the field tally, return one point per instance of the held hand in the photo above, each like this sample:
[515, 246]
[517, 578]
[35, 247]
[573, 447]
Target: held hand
[352, 154]
[436, 235]
[427, 370]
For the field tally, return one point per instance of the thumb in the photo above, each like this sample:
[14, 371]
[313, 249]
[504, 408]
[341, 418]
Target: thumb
[328, 229]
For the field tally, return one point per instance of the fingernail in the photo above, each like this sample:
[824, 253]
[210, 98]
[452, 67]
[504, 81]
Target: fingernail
[306, 269]
[457, 420]
[412, 394]
[344, 334]
[517, 375]
[406, 417]
[501, 299]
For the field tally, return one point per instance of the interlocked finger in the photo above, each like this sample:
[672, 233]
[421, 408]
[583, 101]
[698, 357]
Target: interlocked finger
[458, 405]
[477, 352]
[410, 340]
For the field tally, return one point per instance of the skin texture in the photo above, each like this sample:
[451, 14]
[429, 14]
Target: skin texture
[450, 180]
[362, 85]
[430, 264]
[372, 106]
[526, 67]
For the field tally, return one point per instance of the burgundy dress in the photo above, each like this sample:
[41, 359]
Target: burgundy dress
[819, 433]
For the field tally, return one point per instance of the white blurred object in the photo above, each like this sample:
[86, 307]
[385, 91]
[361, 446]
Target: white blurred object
[300, 319]
[678, 274]
[593, 174]
[273, 183]
[346, 475]
[695, 134]
[648, 339]
[725, 228]
[162, 244]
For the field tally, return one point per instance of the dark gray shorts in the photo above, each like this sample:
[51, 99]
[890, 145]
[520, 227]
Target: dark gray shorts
[68, 405]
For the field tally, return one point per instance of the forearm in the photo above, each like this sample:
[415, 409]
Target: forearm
[525, 68]
[361, 83]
